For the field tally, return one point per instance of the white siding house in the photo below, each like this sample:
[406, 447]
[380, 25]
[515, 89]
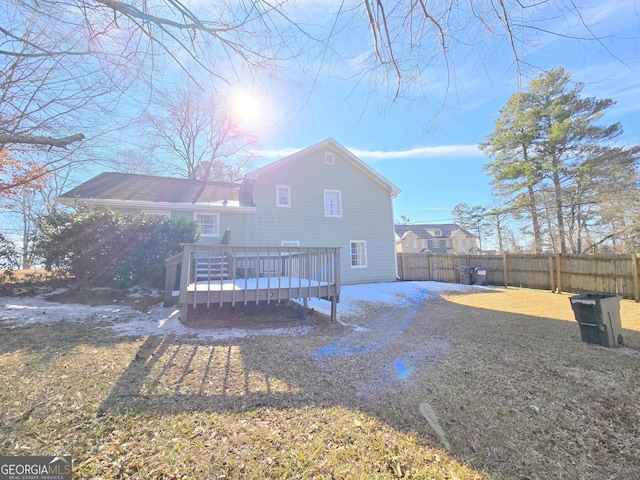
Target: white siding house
[321, 196]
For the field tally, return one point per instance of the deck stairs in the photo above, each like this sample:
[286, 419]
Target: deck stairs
[212, 268]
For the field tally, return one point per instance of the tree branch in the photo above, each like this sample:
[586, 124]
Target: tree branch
[39, 140]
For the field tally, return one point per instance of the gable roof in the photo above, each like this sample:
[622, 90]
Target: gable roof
[423, 230]
[134, 188]
[329, 142]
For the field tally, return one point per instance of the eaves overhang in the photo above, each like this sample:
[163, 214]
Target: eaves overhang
[217, 207]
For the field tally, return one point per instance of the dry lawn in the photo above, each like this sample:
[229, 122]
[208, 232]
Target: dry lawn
[503, 374]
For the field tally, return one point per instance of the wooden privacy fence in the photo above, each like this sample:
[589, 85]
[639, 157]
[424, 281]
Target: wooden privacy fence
[569, 273]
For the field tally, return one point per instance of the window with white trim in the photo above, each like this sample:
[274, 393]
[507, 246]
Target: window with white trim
[358, 250]
[332, 203]
[283, 196]
[328, 158]
[208, 224]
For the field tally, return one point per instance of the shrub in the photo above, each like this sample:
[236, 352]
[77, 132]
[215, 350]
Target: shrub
[8, 257]
[111, 249]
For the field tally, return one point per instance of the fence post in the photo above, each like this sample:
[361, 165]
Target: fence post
[558, 274]
[403, 267]
[505, 268]
[634, 272]
[551, 275]
[429, 266]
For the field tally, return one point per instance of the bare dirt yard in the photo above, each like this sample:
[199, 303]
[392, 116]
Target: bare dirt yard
[420, 380]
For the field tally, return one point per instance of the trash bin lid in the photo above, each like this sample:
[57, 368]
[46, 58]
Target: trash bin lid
[584, 301]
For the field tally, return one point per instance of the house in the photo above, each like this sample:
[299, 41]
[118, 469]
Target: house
[321, 196]
[434, 238]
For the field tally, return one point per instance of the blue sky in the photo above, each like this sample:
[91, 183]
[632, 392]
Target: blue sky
[427, 146]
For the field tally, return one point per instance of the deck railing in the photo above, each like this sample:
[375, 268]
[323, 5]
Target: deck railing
[220, 274]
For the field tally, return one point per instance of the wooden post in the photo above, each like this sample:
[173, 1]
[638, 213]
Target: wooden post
[403, 267]
[429, 267]
[334, 308]
[171, 273]
[505, 268]
[634, 272]
[552, 277]
[185, 271]
[558, 274]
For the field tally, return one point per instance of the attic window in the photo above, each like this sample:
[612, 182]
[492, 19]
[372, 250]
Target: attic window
[328, 158]
[436, 233]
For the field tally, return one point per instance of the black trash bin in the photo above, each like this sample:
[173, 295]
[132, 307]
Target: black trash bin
[466, 275]
[598, 316]
[481, 276]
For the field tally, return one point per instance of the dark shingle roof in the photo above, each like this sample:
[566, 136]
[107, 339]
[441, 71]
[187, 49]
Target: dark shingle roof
[147, 188]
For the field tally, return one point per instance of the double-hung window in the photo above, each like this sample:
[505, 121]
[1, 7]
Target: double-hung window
[358, 253]
[208, 224]
[283, 196]
[332, 203]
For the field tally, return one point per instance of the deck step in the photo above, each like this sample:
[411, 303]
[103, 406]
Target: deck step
[212, 269]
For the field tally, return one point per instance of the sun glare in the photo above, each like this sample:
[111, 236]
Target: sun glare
[246, 107]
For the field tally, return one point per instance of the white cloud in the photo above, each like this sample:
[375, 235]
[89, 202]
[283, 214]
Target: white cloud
[275, 154]
[419, 152]
[458, 151]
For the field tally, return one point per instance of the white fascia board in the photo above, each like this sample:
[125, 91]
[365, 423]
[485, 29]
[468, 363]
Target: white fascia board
[209, 207]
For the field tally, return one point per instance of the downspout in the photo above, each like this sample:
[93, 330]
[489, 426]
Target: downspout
[393, 231]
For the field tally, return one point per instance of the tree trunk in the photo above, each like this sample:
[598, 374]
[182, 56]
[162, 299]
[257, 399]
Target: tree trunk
[557, 192]
[499, 229]
[537, 237]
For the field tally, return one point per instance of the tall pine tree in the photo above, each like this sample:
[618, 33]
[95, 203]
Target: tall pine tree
[554, 157]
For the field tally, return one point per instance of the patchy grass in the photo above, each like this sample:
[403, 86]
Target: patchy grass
[141, 301]
[29, 282]
[515, 391]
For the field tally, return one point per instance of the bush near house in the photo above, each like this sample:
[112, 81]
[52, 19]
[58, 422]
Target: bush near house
[8, 257]
[110, 249]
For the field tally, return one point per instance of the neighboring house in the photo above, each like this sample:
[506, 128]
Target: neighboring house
[322, 196]
[434, 238]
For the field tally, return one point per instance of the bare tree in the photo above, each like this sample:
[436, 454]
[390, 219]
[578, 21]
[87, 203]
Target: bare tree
[28, 206]
[229, 38]
[197, 137]
[67, 66]
[137, 160]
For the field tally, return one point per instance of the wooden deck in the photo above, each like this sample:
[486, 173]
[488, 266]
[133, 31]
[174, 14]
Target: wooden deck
[230, 274]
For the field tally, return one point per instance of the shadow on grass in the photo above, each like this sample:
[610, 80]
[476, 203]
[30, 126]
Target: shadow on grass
[502, 385]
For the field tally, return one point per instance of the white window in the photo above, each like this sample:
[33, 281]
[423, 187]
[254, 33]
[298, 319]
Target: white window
[328, 158]
[358, 254]
[208, 224]
[332, 203]
[283, 196]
